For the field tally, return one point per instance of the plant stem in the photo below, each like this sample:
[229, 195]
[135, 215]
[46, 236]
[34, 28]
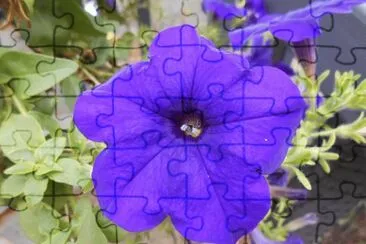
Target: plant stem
[18, 104]
[324, 133]
[90, 76]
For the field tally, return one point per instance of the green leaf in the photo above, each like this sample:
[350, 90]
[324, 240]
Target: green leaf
[13, 186]
[43, 169]
[34, 189]
[20, 168]
[71, 90]
[58, 236]
[326, 145]
[52, 148]
[325, 166]
[47, 122]
[329, 156]
[113, 233]
[300, 176]
[5, 103]
[30, 4]
[39, 221]
[298, 155]
[81, 29]
[76, 139]
[89, 231]
[322, 77]
[19, 135]
[29, 74]
[74, 173]
[60, 197]
[43, 103]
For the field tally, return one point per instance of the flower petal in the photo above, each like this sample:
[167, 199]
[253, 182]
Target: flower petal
[273, 109]
[222, 9]
[240, 36]
[296, 30]
[130, 182]
[121, 110]
[235, 196]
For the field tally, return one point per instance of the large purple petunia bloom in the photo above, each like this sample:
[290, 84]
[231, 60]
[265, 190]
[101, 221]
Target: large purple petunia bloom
[190, 134]
[294, 26]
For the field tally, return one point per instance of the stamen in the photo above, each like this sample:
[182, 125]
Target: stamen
[192, 126]
[190, 130]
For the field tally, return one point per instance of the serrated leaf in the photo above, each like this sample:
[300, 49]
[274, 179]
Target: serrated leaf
[13, 186]
[19, 135]
[34, 189]
[52, 148]
[29, 74]
[21, 168]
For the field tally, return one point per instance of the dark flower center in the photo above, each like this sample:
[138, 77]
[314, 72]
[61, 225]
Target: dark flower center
[192, 125]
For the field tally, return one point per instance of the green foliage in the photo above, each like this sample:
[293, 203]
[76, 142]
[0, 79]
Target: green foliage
[35, 74]
[304, 152]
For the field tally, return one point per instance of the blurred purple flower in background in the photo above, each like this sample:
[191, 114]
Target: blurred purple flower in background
[252, 11]
[190, 134]
[298, 27]
[223, 10]
[260, 52]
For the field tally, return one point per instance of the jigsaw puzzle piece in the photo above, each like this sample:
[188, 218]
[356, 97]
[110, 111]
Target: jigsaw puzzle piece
[120, 184]
[225, 218]
[313, 203]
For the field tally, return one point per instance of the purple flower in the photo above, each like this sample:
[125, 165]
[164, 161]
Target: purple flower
[296, 25]
[263, 55]
[257, 7]
[223, 10]
[253, 9]
[110, 3]
[189, 135]
[257, 237]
